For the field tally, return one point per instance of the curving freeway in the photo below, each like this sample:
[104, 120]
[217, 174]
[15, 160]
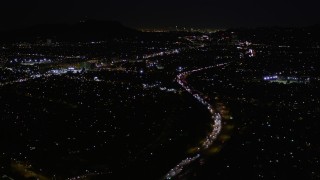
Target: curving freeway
[216, 123]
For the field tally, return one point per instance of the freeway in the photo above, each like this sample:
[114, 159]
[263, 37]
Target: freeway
[216, 118]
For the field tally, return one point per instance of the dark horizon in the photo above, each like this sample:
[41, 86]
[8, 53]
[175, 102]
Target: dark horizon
[164, 14]
[164, 27]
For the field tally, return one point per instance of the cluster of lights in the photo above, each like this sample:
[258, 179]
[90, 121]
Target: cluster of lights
[64, 71]
[285, 78]
[170, 52]
[216, 128]
[13, 82]
[179, 168]
[270, 78]
[31, 61]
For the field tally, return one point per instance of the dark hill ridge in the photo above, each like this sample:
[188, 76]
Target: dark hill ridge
[90, 30]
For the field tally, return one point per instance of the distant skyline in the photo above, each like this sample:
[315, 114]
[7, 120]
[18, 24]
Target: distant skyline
[161, 14]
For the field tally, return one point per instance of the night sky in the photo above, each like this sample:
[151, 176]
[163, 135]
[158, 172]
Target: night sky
[164, 13]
